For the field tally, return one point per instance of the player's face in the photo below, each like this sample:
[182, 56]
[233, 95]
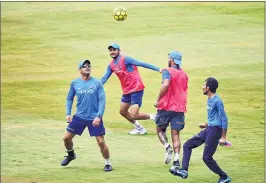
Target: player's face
[114, 52]
[85, 69]
[205, 89]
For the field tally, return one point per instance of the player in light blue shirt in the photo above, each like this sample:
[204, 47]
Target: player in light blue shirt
[90, 109]
[213, 134]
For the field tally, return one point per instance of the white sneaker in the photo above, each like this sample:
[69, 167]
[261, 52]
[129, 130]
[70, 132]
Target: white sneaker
[168, 155]
[138, 131]
[152, 117]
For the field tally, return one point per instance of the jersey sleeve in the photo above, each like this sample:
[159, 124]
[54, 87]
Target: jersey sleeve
[222, 114]
[129, 60]
[70, 98]
[102, 100]
[107, 74]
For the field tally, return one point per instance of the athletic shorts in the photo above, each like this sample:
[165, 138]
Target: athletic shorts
[78, 125]
[177, 119]
[133, 98]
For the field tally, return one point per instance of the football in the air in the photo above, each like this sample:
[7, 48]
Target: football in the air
[120, 14]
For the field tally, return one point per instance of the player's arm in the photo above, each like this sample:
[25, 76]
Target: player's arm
[224, 120]
[102, 102]
[107, 74]
[165, 85]
[69, 102]
[129, 60]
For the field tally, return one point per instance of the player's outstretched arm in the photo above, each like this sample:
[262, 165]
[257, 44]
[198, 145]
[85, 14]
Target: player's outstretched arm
[69, 101]
[107, 74]
[129, 60]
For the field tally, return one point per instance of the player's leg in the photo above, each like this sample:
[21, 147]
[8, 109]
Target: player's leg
[136, 103]
[105, 153]
[75, 127]
[98, 132]
[213, 134]
[162, 121]
[190, 144]
[177, 124]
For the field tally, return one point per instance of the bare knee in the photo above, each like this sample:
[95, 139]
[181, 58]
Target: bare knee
[123, 112]
[67, 138]
[101, 142]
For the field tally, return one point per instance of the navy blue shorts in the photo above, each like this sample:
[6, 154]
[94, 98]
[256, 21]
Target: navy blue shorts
[177, 119]
[133, 98]
[78, 125]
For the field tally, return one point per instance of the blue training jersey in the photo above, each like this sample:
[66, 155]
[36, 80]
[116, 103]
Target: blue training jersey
[216, 113]
[90, 98]
[129, 65]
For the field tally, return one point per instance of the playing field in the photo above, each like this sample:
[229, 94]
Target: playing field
[42, 44]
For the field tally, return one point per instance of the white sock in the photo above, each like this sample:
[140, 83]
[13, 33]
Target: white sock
[152, 116]
[166, 145]
[107, 162]
[137, 125]
[176, 157]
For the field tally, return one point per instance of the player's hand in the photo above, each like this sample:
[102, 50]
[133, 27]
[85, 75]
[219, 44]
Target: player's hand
[96, 121]
[68, 119]
[161, 70]
[156, 104]
[222, 141]
[203, 125]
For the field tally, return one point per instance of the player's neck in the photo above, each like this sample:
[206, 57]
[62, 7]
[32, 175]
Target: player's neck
[85, 77]
[210, 95]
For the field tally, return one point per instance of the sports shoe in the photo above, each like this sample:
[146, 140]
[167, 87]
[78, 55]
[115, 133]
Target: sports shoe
[181, 173]
[175, 167]
[108, 168]
[138, 131]
[222, 180]
[67, 160]
[168, 155]
[152, 117]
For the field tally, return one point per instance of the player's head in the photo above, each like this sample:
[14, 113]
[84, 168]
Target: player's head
[114, 50]
[175, 59]
[84, 67]
[210, 85]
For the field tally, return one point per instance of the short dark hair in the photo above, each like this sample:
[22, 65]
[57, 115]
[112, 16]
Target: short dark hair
[212, 83]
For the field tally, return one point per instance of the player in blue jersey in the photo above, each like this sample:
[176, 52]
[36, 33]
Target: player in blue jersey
[90, 109]
[213, 134]
[133, 88]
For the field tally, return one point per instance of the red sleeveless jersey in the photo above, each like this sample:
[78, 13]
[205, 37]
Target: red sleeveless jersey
[175, 99]
[130, 81]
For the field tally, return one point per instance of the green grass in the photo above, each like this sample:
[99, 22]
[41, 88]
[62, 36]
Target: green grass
[42, 44]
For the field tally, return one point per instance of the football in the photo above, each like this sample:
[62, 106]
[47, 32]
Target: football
[120, 14]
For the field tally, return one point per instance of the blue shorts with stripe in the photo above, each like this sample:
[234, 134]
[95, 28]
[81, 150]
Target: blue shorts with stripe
[133, 98]
[78, 125]
[176, 119]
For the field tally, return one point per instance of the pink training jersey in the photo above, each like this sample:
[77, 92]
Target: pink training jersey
[175, 99]
[130, 81]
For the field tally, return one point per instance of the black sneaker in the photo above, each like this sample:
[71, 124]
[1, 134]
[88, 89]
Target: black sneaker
[181, 173]
[175, 167]
[108, 168]
[67, 160]
[224, 180]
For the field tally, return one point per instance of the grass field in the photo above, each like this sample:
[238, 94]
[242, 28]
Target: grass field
[43, 42]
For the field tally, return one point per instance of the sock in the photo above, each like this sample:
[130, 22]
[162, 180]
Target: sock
[167, 146]
[137, 125]
[70, 152]
[152, 116]
[107, 162]
[176, 157]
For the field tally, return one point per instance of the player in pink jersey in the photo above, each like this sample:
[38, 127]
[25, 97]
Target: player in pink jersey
[171, 105]
[133, 88]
